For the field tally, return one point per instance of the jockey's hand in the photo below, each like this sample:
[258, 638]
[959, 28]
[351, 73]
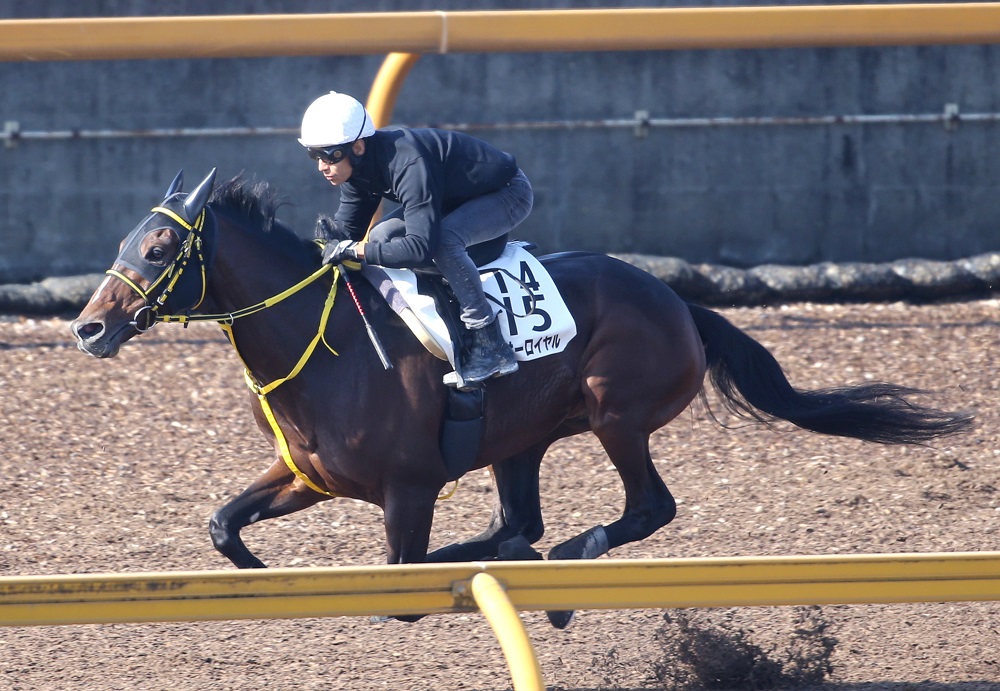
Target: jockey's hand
[345, 250]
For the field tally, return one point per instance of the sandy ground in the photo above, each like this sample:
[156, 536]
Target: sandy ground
[115, 466]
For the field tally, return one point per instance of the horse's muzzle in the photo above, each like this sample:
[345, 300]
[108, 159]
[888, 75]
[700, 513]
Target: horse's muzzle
[92, 338]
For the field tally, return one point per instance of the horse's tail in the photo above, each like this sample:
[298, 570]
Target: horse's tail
[752, 385]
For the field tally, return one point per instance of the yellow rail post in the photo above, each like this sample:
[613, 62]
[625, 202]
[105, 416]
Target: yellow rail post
[388, 82]
[492, 600]
[382, 97]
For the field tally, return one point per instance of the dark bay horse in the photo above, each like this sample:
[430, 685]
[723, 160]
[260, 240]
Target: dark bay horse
[343, 425]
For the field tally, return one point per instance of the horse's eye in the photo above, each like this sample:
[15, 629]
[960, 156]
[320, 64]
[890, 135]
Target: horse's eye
[156, 254]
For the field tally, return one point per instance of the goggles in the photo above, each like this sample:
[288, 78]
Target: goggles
[329, 154]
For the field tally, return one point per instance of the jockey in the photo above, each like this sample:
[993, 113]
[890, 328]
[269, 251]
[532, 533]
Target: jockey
[454, 191]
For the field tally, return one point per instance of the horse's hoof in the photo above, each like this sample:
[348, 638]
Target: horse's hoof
[588, 545]
[517, 549]
[561, 618]
[410, 618]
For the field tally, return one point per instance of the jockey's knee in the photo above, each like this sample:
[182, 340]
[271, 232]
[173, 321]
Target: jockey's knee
[387, 229]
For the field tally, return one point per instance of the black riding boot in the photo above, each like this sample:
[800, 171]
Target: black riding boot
[489, 354]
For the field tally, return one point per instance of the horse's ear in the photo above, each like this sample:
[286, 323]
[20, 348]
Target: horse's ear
[176, 186]
[198, 197]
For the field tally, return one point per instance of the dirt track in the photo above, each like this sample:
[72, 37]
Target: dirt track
[116, 466]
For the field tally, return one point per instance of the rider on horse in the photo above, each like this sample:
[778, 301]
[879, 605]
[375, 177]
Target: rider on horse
[454, 191]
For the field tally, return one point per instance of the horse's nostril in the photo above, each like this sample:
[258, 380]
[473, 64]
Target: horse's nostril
[87, 330]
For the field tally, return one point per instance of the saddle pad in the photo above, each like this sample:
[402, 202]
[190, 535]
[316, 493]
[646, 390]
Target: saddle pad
[535, 323]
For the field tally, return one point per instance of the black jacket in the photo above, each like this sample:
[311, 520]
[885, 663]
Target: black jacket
[430, 173]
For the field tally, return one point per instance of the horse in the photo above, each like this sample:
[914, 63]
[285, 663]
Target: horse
[345, 425]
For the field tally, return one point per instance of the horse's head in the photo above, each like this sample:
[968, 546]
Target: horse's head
[161, 269]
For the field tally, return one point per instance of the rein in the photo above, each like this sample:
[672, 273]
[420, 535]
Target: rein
[230, 317]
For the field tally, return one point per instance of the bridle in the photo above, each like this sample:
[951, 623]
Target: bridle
[188, 217]
[195, 255]
[199, 244]
[194, 243]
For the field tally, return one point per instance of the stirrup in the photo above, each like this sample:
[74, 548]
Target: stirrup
[455, 381]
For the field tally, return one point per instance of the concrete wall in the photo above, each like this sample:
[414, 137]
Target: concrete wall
[737, 195]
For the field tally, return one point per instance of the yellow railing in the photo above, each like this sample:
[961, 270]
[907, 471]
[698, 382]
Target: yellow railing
[406, 35]
[223, 36]
[558, 585]
[506, 587]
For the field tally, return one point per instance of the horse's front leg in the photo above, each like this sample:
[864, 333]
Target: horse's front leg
[275, 493]
[409, 513]
[516, 522]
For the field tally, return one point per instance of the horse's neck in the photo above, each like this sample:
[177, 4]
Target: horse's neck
[269, 341]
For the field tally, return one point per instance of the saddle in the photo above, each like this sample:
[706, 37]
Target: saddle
[533, 315]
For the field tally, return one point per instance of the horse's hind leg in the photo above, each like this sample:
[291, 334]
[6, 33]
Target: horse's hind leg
[273, 494]
[622, 420]
[648, 503]
[648, 507]
[516, 522]
[629, 393]
[623, 411]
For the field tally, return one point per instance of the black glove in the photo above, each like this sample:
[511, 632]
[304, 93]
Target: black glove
[335, 253]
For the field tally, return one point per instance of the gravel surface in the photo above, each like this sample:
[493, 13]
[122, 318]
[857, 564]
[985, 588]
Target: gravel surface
[115, 466]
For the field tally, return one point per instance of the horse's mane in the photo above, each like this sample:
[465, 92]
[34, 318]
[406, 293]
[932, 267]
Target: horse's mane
[258, 202]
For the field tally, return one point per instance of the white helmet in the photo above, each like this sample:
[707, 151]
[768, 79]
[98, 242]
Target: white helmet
[335, 119]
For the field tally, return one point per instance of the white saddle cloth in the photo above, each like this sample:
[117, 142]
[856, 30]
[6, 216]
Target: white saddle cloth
[535, 319]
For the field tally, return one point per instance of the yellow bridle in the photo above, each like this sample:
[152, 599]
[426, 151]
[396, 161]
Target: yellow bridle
[172, 273]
